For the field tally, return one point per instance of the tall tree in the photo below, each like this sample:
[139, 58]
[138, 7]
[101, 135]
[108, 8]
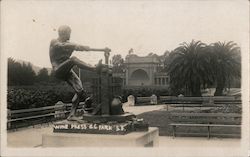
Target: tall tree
[188, 67]
[118, 63]
[28, 75]
[14, 72]
[226, 64]
[164, 59]
[20, 74]
[43, 75]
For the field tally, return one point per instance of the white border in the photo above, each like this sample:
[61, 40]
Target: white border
[187, 151]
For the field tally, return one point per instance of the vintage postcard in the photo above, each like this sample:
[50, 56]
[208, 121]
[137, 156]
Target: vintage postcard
[125, 78]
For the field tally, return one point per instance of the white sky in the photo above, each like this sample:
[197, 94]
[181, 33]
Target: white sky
[145, 26]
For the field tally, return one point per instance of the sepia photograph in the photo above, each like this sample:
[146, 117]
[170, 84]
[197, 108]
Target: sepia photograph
[125, 78]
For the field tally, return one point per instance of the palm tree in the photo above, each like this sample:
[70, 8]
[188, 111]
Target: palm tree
[189, 68]
[226, 63]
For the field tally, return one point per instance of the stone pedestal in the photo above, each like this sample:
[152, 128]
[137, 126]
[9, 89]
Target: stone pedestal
[131, 100]
[134, 139]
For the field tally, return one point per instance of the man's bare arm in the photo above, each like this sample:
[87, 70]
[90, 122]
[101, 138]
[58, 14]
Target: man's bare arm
[76, 47]
[68, 45]
[64, 45]
[95, 49]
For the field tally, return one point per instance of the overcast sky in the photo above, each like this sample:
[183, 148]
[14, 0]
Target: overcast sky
[145, 26]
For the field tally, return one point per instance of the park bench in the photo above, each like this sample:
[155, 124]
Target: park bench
[208, 121]
[236, 102]
[213, 102]
[183, 101]
[30, 117]
[199, 100]
[183, 106]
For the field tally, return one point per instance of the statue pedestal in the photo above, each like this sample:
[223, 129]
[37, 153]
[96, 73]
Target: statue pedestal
[148, 138]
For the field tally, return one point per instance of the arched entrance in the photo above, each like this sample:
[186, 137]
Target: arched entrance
[139, 77]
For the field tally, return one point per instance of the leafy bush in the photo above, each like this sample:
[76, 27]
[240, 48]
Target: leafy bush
[23, 97]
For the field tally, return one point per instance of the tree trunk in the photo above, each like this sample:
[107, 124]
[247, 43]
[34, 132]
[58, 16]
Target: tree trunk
[220, 87]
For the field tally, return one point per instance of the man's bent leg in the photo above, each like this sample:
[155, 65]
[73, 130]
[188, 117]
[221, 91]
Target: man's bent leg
[75, 103]
[64, 68]
[82, 65]
[76, 84]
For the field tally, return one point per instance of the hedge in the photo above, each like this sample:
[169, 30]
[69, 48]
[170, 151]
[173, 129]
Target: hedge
[24, 97]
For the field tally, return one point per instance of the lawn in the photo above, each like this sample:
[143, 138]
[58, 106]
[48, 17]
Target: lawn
[162, 119]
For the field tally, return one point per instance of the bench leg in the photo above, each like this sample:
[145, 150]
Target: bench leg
[208, 129]
[174, 130]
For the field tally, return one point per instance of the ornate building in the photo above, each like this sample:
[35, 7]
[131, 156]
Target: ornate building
[143, 72]
[140, 72]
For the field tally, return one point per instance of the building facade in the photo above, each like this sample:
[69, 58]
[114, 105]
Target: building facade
[143, 71]
[139, 72]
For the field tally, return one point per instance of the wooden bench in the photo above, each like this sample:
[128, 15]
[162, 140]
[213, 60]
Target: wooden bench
[207, 120]
[33, 116]
[183, 102]
[236, 102]
[183, 106]
[214, 103]
[200, 100]
[30, 117]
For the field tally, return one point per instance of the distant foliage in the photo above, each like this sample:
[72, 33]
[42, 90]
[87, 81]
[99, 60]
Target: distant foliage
[28, 90]
[195, 65]
[118, 63]
[23, 75]
[189, 67]
[20, 74]
[43, 75]
[226, 64]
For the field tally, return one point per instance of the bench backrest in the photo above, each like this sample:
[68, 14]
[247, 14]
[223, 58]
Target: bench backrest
[15, 115]
[206, 118]
[195, 100]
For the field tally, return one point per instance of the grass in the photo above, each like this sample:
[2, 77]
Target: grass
[158, 119]
[162, 119]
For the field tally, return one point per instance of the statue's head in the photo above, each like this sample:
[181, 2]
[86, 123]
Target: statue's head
[64, 32]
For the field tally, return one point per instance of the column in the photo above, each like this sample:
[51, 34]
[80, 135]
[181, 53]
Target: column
[105, 93]
[163, 81]
[159, 80]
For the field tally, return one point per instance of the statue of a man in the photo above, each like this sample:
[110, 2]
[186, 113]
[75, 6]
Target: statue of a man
[62, 64]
